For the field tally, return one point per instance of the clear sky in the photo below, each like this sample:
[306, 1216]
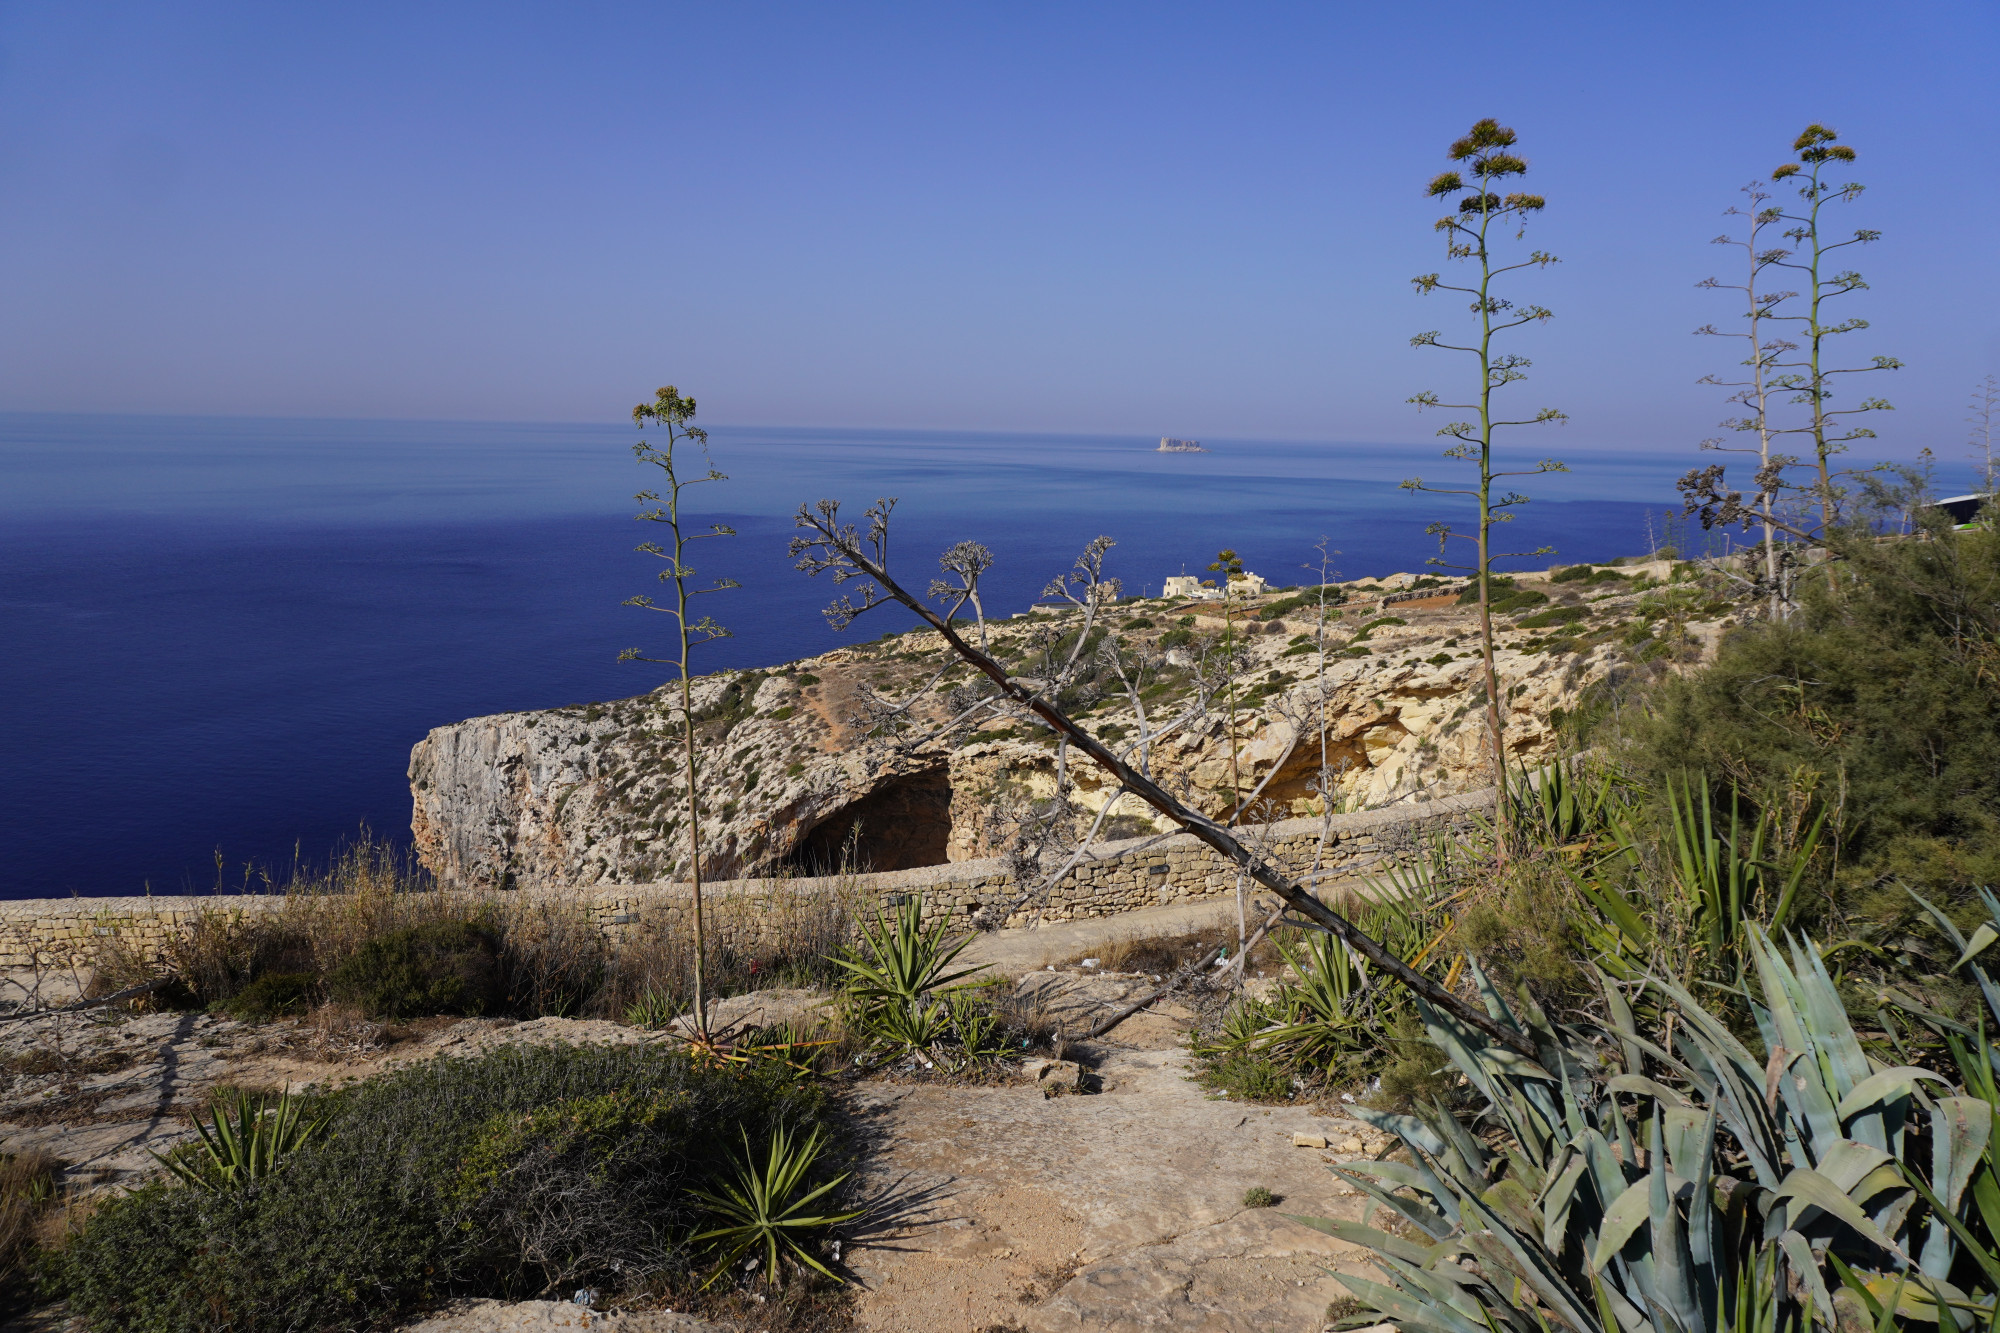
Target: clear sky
[1187, 218]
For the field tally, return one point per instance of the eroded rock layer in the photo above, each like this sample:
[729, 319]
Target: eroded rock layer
[796, 771]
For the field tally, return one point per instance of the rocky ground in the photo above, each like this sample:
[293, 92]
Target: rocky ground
[1117, 1205]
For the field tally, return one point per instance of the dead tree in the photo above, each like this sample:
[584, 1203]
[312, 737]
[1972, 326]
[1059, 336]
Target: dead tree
[852, 556]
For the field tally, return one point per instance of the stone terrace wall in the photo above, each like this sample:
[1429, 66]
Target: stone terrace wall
[1120, 876]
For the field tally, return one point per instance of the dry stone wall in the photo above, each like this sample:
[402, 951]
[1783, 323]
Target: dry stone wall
[1120, 877]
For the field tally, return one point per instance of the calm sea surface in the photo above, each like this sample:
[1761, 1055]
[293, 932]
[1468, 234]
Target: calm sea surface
[220, 637]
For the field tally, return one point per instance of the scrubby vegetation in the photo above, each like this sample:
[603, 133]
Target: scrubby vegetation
[371, 933]
[525, 1172]
[1747, 930]
[28, 1195]
[1876, 699]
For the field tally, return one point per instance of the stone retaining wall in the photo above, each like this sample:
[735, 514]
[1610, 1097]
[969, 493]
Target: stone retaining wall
[1120, 876]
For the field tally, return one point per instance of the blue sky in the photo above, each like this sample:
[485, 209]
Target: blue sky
[1144, 218]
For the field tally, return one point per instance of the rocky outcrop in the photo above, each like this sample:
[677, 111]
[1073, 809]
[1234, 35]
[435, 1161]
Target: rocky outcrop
[795, 773]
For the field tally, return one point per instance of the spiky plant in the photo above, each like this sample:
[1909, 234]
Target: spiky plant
[766, 1209]
[243, 1145]
[1676, 1181]
[1473, 231]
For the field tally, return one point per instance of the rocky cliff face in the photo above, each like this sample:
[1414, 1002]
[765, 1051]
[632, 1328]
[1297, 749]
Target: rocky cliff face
[793, 770]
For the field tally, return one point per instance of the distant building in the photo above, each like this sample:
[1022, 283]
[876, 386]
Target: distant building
[1188, 586]
[1170, 445]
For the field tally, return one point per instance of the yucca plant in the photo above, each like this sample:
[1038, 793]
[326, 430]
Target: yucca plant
[245, 1145]
[1330, 1009]
[1674, 1181]
[652, 1009]
[896, 979]
[1562, 807]
[1724, 882]
[766, 1208]
[902, 959]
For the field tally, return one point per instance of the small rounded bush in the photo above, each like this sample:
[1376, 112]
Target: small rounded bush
[272, 995]
[1258, 1197]
[441, 967]
[1561, 615]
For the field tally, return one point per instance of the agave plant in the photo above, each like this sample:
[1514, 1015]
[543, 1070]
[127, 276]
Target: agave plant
[653, 1008]
[895, 976]
[245, 1145]
[1677, 1182]
[1330, 1007]
[1562, 807]
[766, 1208]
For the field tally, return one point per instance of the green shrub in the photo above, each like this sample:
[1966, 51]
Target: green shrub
[1587, 574]
[441, 967]
[495, 1176]
[1879, 697]
[1559, 615]
[1259, 1197]
[1380, 622]
[1251, 1076]
[1308, 599]
[272, 995]
[1505, 596]
[1174, 638]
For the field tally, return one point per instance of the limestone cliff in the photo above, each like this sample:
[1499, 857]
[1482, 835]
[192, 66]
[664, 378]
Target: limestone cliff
[793, 771]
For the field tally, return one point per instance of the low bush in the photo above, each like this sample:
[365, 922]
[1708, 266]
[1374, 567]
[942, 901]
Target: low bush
[508, 1175]
[1504, 595]
[443, 967]
[1558, 615]
[1380, 622]
[1251, 1076]
[273, 995]
[1587, 574]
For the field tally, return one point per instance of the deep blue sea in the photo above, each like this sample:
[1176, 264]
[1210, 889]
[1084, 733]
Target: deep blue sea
[220, 637]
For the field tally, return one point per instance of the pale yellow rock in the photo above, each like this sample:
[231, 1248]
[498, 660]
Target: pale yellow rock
[1309, 1140]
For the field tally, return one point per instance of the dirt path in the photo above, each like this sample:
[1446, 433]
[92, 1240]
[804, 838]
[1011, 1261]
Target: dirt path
[1029, 950]
[1117, 1211]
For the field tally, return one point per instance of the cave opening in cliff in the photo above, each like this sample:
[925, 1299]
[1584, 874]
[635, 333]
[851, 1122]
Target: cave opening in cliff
[904, 823]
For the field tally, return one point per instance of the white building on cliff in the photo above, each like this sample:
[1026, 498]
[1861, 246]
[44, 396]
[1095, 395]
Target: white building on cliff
[1189, 586]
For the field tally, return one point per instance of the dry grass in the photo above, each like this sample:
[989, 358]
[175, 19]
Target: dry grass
[28, 1198]
[779, 935]
[554, 957]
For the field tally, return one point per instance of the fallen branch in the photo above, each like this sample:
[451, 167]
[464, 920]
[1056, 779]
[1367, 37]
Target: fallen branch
[129, 993]
[839, 549]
